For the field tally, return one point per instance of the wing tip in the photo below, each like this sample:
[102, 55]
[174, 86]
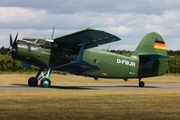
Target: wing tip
[98, 29]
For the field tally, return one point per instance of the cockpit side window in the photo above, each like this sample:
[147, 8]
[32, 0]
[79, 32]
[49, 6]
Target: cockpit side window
[40, 42]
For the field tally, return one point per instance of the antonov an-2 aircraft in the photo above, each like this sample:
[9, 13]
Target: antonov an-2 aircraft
[75, 54]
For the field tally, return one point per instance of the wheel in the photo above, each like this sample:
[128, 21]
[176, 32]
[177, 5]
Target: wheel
[141, 84]
[45, 82]
[32, 82]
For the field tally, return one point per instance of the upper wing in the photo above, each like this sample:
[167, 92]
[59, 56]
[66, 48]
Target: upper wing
[91, 36]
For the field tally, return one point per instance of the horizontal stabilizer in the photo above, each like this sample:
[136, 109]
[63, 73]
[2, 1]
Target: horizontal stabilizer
[77, 67]
[154, 56]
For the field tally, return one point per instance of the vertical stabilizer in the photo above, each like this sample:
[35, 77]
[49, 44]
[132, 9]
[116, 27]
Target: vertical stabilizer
[152, 43]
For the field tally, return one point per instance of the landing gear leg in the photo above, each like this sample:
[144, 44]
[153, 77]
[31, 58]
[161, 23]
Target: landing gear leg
[45, 82]
[141, 83]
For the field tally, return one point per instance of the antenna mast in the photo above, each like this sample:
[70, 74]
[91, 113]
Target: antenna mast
[53, 32]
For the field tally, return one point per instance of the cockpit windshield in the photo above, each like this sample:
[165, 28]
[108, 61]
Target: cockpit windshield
[45, 43]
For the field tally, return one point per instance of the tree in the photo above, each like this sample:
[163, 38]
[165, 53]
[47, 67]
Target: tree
[174, 64]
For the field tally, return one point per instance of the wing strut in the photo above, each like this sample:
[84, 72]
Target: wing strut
[81, 49]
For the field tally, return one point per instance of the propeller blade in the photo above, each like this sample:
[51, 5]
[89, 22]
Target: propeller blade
[16, 36]
[15, 39]
[13, 46]
[10, 40]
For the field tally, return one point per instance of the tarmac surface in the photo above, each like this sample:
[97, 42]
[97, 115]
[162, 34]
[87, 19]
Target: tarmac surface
[93, 87]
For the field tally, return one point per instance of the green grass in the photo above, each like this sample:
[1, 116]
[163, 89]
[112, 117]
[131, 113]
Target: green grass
[77, 104]
[90, 104]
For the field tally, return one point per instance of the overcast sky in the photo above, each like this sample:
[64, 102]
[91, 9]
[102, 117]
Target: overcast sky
[128, 19]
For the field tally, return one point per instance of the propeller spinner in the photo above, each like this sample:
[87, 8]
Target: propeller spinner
[13, 46]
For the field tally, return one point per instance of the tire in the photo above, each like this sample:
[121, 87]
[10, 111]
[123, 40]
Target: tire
[32, 82]
[141, 84]
[45, 82]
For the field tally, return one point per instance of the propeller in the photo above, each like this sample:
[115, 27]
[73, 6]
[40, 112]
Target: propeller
[13, 46]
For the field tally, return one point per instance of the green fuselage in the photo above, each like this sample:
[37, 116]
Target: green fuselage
[110, 65]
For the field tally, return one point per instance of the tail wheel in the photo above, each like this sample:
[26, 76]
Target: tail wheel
[45, 82]
[32, 82]
[141, 84]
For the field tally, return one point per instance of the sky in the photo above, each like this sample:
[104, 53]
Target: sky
[130, 20]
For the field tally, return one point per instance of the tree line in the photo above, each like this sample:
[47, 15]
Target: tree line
[7, 64]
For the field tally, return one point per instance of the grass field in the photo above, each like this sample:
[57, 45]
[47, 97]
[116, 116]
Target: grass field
[71, 79]
[77, 104]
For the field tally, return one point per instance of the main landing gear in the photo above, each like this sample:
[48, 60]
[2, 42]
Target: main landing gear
[141, 83]
[45, 81]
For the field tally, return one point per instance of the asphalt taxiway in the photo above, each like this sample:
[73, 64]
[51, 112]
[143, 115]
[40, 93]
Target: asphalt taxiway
[92, 87]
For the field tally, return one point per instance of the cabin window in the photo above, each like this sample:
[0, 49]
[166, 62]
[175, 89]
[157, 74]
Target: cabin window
[95, 60]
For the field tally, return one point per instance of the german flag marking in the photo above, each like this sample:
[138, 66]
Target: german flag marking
[160, 45]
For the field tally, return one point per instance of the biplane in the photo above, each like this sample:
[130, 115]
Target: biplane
[77, 54]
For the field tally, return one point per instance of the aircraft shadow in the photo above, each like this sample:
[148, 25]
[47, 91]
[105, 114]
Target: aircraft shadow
[57, 87]
[91, 87]
[136, 86]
